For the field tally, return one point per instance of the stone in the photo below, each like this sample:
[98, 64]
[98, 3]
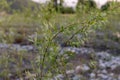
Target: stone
[102, 76]
[82, 68]
[77, 77]
[70, 72]
[103, 56]
[101, 64]
[111, 74]
[104, 71]
[59, 77]
[92, 75]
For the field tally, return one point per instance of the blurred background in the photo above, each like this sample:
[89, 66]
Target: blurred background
[27, 25]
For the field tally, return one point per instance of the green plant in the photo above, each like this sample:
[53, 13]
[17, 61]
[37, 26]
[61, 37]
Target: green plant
[50, 61]
[73, 28]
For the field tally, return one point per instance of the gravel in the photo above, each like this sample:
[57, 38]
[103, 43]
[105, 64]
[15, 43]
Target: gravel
[105, 69]
[107, 63]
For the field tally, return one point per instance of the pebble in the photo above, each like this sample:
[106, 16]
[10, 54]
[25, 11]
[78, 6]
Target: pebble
[70, 72]
[59, 77]
[102, 65]
[102, 76]
[103, 56]
[111, 74]
[82, 68]
[77, 77]
[92, 75]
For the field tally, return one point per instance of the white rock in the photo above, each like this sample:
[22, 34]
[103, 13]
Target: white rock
[59, 77]
[92, 75]
[78, 69]
[103, 56]
[102, 65]
[102, 76]
[104, 71]
[113, 67]
[77, 77]
[111, 74]
[70, 72]
[82, 68]
[85, 67]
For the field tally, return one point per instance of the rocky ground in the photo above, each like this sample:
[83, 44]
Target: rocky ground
[98, 59]
[103, 65]
[94, 61]
[87, 64]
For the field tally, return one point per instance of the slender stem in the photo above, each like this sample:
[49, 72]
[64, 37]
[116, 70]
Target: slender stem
[43, 60]
[60, 31]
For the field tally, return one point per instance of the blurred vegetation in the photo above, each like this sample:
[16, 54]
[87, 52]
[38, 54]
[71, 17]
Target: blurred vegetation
[47, 29]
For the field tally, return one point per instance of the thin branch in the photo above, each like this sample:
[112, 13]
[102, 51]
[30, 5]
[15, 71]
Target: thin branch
[60, 31]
